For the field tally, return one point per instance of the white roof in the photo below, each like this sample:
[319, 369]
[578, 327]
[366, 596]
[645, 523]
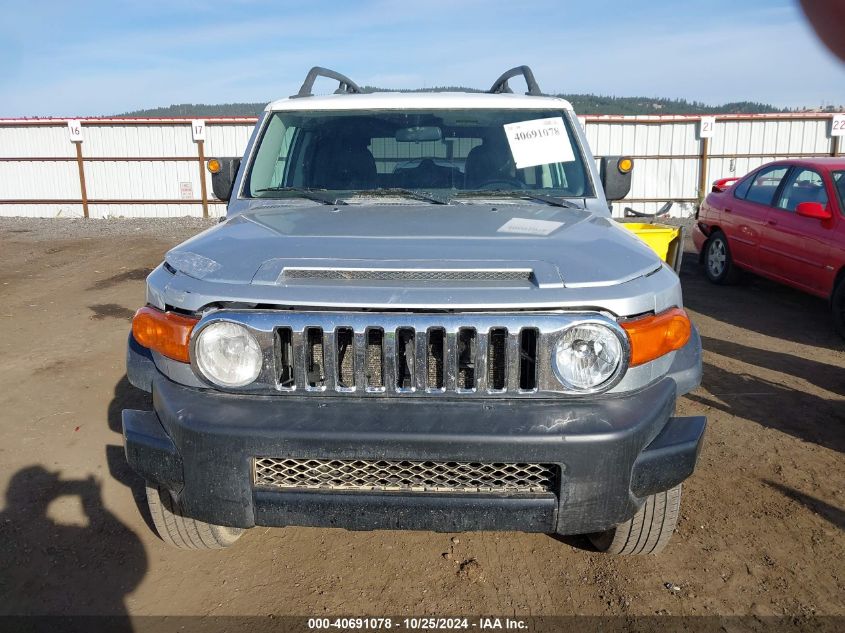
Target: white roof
[419, 100]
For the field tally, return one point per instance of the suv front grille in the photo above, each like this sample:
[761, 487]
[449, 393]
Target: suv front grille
[404, 354]
[404, 476]
[406, 359]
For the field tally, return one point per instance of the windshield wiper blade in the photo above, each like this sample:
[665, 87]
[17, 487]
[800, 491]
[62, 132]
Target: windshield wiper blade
[552, 200]
[416, 194]
[517, 193]
[309, 194]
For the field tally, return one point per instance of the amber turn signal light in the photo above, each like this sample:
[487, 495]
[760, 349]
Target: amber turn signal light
[167, 333]
[214, 166]
[653, 336]
[625, 165]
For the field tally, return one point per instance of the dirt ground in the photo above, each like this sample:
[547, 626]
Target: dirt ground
[762, 521]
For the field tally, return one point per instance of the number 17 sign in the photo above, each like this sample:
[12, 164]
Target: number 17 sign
[198, 130]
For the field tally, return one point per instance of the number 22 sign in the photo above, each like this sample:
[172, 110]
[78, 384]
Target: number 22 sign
[837, 126]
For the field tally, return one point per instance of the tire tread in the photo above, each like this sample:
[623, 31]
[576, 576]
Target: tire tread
[648, 531]
[182, 532]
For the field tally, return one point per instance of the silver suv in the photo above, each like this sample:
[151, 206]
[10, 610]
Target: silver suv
[417, 314]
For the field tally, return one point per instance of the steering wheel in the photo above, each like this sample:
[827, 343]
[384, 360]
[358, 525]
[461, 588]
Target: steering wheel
[496, 183]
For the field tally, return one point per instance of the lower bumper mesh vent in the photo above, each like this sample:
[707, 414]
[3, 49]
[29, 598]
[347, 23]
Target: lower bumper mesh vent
[385, 475]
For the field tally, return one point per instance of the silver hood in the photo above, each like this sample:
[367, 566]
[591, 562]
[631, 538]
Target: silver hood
[382, 255]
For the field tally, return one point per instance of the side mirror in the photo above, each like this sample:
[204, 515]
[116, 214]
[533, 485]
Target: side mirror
[815, 210]
[723, 184]
[616, 176]
[223, 173]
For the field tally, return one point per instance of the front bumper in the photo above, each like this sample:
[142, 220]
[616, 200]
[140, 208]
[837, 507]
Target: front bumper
[698, 237]
[611, 451]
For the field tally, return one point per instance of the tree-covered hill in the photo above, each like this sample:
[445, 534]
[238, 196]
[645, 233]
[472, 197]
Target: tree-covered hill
[583, 104]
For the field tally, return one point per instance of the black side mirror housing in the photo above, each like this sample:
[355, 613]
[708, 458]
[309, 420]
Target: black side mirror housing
[616, 176]
[224, 177]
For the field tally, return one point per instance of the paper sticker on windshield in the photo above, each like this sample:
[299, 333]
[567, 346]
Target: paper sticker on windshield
[539, 142]
[526, 226]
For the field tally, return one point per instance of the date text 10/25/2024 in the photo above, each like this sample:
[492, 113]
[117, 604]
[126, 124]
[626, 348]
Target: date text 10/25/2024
[422, 623]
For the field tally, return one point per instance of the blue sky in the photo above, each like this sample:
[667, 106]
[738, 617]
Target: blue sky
[99, 57]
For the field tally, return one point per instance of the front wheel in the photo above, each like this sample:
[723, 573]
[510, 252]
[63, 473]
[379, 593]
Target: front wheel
[718, 263]
[182, 532]
[649, 531]
[837, 303]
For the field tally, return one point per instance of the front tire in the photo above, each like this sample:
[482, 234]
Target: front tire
[718, 263]
[837, 304]
[649, 531]
[182, 532]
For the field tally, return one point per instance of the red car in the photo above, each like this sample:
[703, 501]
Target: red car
[785, 221]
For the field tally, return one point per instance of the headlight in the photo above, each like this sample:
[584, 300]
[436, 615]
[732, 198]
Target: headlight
[228, 355]
[586, 356]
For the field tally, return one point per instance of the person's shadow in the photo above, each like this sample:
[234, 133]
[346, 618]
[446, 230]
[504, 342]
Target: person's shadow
[54, 569]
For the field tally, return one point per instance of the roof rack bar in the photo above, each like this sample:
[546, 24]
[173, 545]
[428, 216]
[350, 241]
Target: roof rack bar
[501, 84]
[346, 85]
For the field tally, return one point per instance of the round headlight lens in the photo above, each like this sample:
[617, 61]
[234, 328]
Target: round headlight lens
[228, 354]
[586, 356]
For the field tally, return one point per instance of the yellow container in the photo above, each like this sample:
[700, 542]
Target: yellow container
[659, 237]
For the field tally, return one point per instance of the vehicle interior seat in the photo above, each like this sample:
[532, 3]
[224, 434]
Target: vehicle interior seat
[428, 174]
[488, 162]
[342, 163]
[805, 193]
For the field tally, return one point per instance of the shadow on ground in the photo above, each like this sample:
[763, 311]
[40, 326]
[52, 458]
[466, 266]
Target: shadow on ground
[127, 397]
[831, 514]
[84, 567]
[760, 305]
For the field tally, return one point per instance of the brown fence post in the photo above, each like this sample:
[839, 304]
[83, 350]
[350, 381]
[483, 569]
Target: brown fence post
[75, 132]
[80, 164]
[198, 134]
[201, 154]
[702, 168]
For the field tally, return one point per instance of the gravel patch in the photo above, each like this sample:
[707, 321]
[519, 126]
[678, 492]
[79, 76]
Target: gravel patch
[37, 229]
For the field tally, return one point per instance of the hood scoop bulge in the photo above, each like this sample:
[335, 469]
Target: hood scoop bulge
[362, 272]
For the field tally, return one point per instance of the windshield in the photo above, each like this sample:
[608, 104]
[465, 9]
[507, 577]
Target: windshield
[458, 152]
[839, 185]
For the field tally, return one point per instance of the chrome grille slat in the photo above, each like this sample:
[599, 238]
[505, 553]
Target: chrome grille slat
[512, 360]
[300, 359]
[330, 359]
[481, 360]
[360, 351]
[389, 360]
[421, 358]
[450, 369]
[404, 476]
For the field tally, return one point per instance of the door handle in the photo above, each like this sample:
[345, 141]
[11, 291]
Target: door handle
[728, 211]
[772, 222]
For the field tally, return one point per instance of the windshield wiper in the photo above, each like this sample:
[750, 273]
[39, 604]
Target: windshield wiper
[416, 194]
[516, 193]
[552, 200]
[309, 194]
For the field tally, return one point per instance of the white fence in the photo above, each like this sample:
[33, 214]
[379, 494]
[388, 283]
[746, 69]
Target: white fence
[135, 167]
